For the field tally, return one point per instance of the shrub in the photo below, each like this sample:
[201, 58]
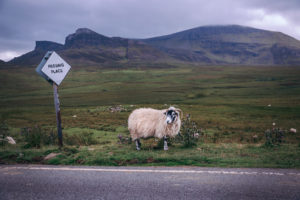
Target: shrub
[84, 138]
[49, 137]
[3, 133]
[274, 137]
[32, 137]
[36, 136]
[189, 133]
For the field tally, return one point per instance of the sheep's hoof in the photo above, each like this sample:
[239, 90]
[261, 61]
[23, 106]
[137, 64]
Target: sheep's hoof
[138, 148]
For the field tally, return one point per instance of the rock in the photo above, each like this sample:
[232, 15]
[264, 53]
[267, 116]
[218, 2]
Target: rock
[117, 109]
[293, 130]
[10, 140]
[51, 155]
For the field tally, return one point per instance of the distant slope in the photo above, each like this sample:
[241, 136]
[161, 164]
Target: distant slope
[2, 63]
[34, 57]
[232, 44]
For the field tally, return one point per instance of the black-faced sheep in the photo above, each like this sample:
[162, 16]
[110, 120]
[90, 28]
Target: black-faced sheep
[148, 122]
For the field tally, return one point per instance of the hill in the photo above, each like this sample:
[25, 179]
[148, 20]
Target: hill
[86, 47]
[232, 44]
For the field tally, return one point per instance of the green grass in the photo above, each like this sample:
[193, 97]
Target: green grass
[208, 154]
[230, 104]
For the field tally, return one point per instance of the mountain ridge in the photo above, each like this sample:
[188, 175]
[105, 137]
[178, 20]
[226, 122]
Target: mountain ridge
[205, 45]
[232, 44]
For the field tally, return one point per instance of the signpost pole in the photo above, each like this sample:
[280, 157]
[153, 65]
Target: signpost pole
[58, 118]
[54, 69]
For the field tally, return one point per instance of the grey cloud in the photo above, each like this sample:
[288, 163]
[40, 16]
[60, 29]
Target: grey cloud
[288, 8]
[275, 5]
[25, 21]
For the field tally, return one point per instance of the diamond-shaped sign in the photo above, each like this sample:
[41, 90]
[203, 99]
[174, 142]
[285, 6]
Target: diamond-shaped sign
[53, 67]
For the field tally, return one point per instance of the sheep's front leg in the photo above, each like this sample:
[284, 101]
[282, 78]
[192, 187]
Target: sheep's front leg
[138, 144]
[165, 143]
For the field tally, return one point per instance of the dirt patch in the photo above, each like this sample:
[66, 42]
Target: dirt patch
[37, 159]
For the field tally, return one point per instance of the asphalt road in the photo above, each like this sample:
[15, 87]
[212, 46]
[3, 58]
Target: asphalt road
[65, 182]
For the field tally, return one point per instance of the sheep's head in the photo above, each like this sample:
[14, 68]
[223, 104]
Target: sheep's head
[172, 114]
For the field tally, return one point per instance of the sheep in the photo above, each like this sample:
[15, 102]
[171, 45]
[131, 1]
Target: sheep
[148, 122]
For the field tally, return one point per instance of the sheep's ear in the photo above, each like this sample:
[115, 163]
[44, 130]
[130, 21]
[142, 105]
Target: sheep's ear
[165, 113]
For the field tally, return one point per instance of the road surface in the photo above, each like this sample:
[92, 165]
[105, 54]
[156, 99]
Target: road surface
[70, 182]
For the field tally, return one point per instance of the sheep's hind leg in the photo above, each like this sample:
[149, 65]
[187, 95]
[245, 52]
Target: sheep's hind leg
[138, 144]
[165, 143]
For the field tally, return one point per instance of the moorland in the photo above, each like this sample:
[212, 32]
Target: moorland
[233, 106]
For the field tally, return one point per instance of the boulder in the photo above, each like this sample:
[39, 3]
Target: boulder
[51, 155]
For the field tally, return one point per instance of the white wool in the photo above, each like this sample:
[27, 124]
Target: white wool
[148, 122]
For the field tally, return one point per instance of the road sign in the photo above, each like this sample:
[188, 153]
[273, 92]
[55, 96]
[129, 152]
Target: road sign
[41, 65]
[56, 68]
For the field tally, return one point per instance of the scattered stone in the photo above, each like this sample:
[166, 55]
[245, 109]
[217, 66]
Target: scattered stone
[91, 149]
[123, 140]
[274, 124]
[74, 116]
[269, 105]
[51, 155]
[117, 109]
[10, 140]
[254, 136]
[293, 130]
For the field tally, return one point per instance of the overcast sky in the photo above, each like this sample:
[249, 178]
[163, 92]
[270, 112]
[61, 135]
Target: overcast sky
[22, 22]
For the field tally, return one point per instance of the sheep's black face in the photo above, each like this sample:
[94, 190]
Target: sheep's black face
[171, 116]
